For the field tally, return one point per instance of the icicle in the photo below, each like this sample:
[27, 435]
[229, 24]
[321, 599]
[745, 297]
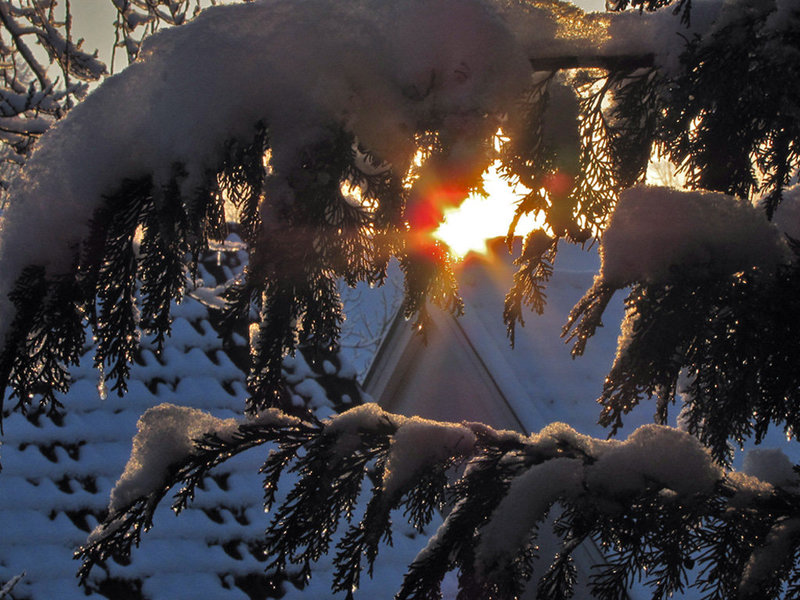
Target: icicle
[219, 258]
[102, 390]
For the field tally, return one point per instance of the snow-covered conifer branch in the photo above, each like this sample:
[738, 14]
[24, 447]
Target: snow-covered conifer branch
[173, 447]
[695, 286]
[401, 101]
[631, 496]
[291, 172]
[166, 175]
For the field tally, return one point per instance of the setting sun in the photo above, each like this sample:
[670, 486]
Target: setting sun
[467, 227]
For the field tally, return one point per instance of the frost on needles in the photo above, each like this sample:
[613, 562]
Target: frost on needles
[335, 133]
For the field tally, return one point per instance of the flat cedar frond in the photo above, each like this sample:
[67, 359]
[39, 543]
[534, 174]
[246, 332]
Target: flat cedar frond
[596, 188]
[586, 316]
[341, 147]
[143, 241]
[535, 268]
[711, 332]
[429, 277]
[123, 527]
[45, 338]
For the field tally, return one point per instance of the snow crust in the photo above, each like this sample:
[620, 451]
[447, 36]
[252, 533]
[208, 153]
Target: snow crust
[655, 230]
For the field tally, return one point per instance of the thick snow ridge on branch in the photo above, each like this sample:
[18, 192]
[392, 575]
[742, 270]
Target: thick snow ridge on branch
[380, 69]
[652, 455]
[383, 71]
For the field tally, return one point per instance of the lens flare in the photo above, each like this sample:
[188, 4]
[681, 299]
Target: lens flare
[467, 228]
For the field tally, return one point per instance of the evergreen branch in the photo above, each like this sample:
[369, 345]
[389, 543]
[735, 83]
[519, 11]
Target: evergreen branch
[44, 339]
[650, 522]
[9, 585]
[116, 327]
[711, 331]
[123, 527]
[586, 316]
[535, 268]
[558, 583]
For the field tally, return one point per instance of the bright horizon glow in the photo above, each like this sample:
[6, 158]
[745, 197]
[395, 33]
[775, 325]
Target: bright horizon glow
[467, 228]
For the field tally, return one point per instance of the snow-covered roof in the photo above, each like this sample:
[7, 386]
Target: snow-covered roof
[467, 369]
[58, 472]
[538, 379]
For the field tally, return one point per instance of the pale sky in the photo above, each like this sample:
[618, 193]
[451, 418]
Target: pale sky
[92, 20]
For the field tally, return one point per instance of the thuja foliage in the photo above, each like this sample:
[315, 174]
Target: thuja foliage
[731, 336]
[739, 362]
[145, 241]
[707, 535]
[726, 114]
[576, 141]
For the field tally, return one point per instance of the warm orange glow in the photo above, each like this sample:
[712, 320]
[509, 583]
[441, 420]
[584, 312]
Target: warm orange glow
[466, 228]
[558, 184]
[425, 215]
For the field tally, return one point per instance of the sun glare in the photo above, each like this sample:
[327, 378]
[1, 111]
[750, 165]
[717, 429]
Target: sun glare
[467, 228]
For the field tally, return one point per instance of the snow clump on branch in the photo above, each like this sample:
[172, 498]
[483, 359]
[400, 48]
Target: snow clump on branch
[653, 455]
[519, 479]
[657, 230]
[166, 435]
[416, 442]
